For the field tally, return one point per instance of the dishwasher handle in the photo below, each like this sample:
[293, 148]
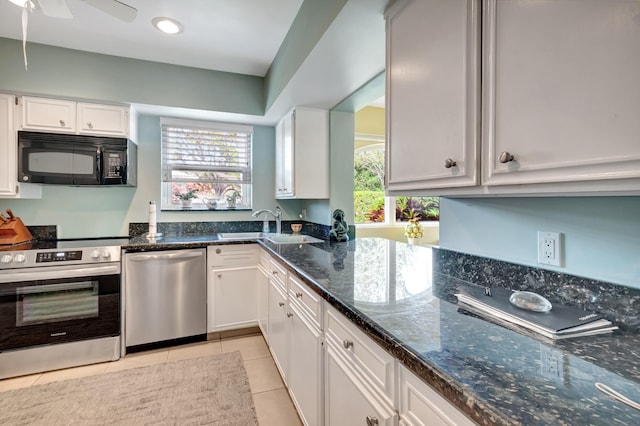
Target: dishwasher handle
[165, 256]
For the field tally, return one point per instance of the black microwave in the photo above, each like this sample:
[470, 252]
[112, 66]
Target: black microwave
[60, 159]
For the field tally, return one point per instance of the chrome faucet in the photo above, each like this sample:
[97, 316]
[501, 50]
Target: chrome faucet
[277, 215]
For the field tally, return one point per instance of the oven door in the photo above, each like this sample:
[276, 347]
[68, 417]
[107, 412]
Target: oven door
[58, 304]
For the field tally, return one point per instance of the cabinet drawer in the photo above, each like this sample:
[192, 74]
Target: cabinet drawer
[278, 274]
[374, 363]
[308, 301]
[232, 255]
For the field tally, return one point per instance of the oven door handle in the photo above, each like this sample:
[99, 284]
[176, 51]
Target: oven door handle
[54, 273]
[143, 257]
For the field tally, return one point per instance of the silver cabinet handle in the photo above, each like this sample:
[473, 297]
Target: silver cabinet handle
[449, 163]
[89, 125]
[289, 314]
[372, 421]
[275, 272]
[281, 304]
[62, 123]
[219, 275]
[347, 344]
[506, 157]
[299, 295]
[143, 257]
[218, 251]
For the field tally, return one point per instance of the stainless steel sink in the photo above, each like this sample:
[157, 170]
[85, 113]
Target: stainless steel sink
[273, 238]
[292, 239]
[228, 236]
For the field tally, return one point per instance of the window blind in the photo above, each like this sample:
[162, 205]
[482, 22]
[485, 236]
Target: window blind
[206, 152]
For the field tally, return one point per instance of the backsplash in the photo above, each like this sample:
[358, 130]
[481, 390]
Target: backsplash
[617, 303]
[190, 228]
[42, 233]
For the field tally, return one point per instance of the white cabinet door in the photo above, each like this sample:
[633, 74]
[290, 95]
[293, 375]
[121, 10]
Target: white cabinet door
[305, 366]
[279, 328]
[284, 158]
[433, 97]
[302, 154]
[348, 400]
[100, 119]
[232, 298]
[8, 150]
[50, 115]
[262, 284]
[560, 94]
[420, 405]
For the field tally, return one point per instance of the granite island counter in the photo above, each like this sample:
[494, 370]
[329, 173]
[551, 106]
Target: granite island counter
[402, 297]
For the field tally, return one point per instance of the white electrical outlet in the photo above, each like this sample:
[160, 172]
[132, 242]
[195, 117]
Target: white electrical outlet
[549, 248]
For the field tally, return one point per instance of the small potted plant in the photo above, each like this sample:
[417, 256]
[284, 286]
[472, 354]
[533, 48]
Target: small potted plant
[413, 230]
[186, 197]
[232, 197]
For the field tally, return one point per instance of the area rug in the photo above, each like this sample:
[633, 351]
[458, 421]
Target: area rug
[208, 390]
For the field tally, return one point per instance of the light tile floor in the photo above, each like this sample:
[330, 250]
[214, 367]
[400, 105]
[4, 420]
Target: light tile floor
[273, 405]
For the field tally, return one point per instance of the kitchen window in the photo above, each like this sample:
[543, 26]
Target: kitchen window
[371, 206]
[206, 164]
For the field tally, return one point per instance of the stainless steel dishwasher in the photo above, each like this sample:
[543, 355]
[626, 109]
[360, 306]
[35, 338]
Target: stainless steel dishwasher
[165, 295]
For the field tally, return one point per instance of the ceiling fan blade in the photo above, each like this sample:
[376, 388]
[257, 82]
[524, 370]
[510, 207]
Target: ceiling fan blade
[55, 9]
[115, 8]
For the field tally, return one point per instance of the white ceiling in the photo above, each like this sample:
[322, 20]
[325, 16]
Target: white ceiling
[241, 36]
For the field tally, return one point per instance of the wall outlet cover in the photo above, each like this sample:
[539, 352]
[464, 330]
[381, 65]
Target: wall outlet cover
[550, 248]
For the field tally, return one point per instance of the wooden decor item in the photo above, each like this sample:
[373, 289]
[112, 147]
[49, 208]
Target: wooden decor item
[12, 230]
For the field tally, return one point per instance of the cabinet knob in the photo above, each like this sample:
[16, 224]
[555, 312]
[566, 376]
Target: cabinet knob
[62, 123]
[347, 344]
[275, 272]
[281, 304]
[219, 275]
[89, 125]
[506, 157]
[449, 163]
[299, 295]
[289, 314]
[218, 251]
[372, 421]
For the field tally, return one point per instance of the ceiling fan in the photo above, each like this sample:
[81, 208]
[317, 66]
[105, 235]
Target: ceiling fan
[60, 9]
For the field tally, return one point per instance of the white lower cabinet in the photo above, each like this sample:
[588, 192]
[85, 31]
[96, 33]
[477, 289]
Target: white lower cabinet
[262, 283]
[305, 356]
[231, 287]
[348, 399]
[420, 405]
[279, 328]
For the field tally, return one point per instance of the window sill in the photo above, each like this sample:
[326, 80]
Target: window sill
[425, 224]
[203, 209]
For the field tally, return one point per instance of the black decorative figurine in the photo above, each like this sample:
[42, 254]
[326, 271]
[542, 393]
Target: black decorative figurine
[339, 230]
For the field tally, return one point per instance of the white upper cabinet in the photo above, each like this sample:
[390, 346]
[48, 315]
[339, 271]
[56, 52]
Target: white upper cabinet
[56, 115]
[103, 119]
[561, 93]
[9, 185]
[432, 94]
[558, 106]
[48, 115]
[302, 154]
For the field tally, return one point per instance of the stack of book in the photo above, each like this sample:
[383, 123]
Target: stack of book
[561, 322]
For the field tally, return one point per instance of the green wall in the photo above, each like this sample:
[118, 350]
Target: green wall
[55, 71]
[83, 212]
[601, 234]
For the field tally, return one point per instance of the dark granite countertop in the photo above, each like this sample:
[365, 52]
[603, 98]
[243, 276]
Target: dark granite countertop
[398, 295]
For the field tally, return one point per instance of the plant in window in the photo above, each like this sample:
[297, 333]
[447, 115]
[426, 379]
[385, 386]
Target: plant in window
[232, 197]
[186, 196]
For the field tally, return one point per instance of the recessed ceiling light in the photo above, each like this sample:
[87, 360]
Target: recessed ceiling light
[167, 25]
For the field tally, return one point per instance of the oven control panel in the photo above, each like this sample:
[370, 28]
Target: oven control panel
[58, 256]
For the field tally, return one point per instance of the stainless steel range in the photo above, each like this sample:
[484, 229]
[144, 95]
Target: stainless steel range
[59, 305]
